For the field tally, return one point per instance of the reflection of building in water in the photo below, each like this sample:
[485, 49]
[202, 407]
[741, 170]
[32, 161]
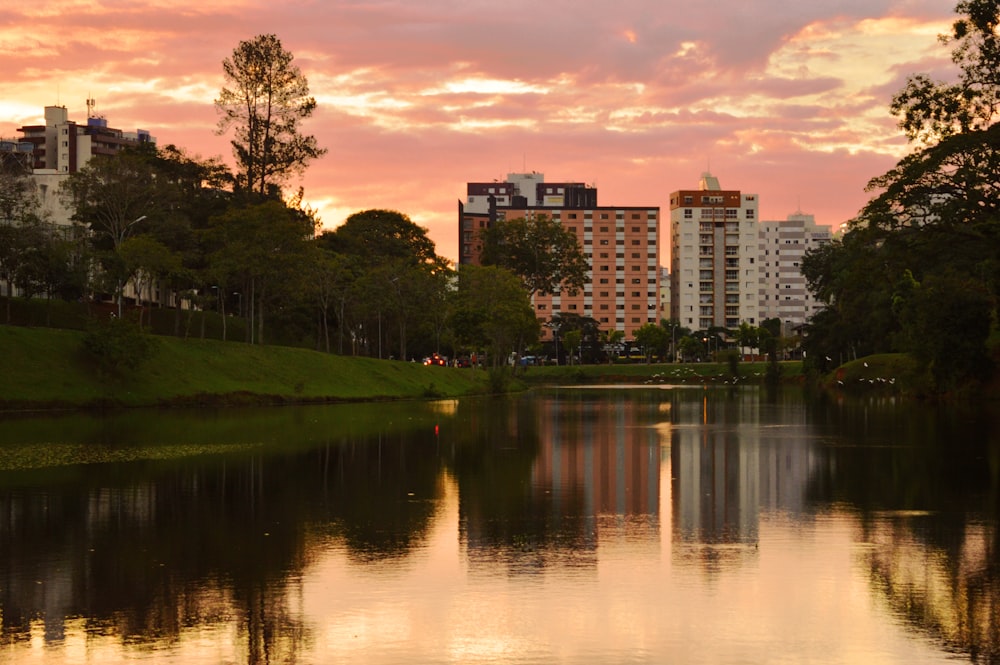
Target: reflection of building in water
[729, 459]
[603, 453]
[594, 473]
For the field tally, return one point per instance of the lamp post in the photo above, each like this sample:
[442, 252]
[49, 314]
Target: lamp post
[239, 303]
[122, 232]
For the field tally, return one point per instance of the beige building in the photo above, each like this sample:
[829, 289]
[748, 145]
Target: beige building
[61, 146]
[621, 245]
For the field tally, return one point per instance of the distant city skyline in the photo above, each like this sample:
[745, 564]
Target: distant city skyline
[783, 99]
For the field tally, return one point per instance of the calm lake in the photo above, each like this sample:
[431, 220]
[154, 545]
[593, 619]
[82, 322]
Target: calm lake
[627, 525]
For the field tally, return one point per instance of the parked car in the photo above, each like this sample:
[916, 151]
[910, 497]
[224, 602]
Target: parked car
[435, 359]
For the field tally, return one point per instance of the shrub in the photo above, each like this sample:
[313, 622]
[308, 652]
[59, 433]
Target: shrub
[118, 346]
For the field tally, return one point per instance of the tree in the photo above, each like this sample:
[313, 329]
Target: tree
[929, 110]
[546, 256]
[652, 338]
[931, 234]
[264, 246]
[399, 276]
[115, 197]
[21, 227]
[147, 260]
[492, 311]
[264, 99]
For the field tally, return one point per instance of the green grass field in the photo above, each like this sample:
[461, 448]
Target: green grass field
[44, 367]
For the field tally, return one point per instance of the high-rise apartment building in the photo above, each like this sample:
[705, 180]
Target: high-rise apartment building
[713, 257]
[783, 293]
[621, 245]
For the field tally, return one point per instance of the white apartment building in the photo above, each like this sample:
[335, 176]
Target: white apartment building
[783, 292]
[713, 259]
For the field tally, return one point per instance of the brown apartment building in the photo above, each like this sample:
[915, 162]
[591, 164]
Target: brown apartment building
[621, 245]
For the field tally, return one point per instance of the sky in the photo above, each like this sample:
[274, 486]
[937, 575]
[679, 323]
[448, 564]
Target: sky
[785, 99]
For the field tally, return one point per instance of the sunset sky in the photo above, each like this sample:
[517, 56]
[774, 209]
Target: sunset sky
[782, 98]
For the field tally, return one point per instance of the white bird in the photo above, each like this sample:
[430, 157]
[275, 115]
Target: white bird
[866, 364]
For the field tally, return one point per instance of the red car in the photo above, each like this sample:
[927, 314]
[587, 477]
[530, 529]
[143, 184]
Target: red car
[435, 360]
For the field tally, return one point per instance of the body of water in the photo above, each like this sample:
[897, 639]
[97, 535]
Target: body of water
[593, 525]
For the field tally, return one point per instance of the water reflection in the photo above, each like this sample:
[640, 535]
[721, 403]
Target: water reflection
[569, 525]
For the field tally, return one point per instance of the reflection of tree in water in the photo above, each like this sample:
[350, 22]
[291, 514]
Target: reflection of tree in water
[146, 550]
[950, 594]
[503, 519]
[925, 482]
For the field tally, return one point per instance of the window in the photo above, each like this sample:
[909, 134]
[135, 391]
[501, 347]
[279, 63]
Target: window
[603, 229]
[604, 280]
[604, 242]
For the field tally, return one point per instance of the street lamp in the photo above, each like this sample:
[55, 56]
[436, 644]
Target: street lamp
[239, 302]
[121, 239]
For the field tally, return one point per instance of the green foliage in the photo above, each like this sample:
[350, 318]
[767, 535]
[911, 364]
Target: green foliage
[653, 339]
[931, 110]
[492, 311]
[546, 256]
[918, 270]
[118, 346]
[949, 318]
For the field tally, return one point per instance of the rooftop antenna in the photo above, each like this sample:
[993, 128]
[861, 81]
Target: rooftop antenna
[91, 105]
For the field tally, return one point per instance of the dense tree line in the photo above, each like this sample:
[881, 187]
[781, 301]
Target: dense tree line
[918, 271]
[190, 234]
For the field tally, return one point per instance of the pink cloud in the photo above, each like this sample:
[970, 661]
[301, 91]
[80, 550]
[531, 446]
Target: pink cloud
[638, 97]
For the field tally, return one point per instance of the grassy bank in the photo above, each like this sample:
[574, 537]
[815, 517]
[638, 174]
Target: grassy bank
[43, 367]
[654, 373]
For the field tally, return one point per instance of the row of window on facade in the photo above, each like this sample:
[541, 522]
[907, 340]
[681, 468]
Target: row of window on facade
[715, 213]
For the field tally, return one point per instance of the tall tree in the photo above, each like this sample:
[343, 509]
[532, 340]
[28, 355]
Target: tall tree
[546, 256]
[264, 247]
[264, 99]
